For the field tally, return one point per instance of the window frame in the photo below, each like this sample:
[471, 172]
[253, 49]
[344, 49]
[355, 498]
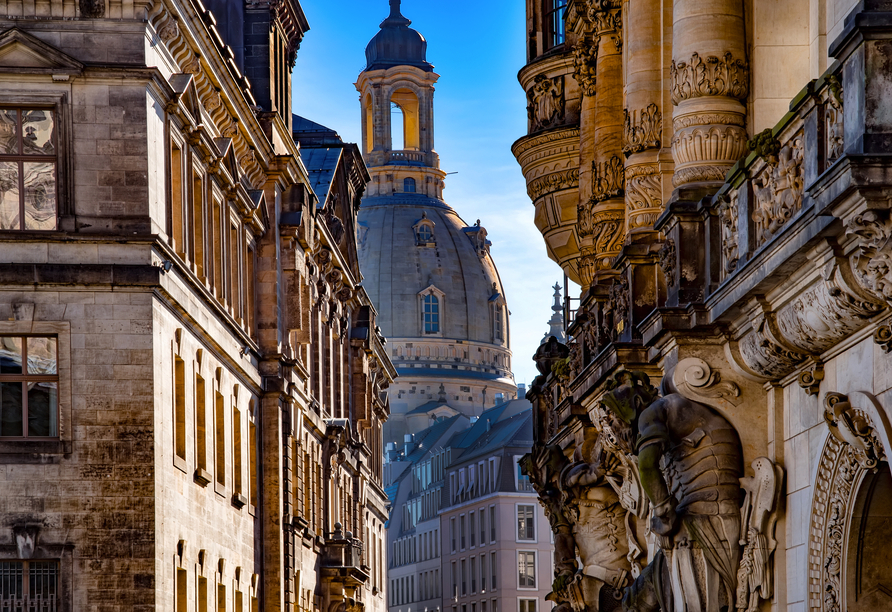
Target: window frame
[26, 583]
[431, 314]
[534, 538]
[26, 377]
[527, 600]
[550, 33]
[535, 570]
[61, 443]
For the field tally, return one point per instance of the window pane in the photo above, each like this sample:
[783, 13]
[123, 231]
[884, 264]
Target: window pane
[42, 398]
[37, 131]
[40, 195]
[41, 355]
[11, 409]
[11, 580]
[42, 578]
[9, 141]
[10, 355]
[9, 195]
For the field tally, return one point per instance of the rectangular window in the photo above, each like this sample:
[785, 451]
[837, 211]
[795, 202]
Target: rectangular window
[526, 570]
[29, 383]
[28, 155]
[525, 523]
[252, 466]
[217, 249]
[221, 598]
[464, 577]
[201, 435]
[249, 290]
[220, 439]
[483, 573]
[454, 581]
[202, 595]
[482, 517]
[527, 605]
[179, 407]
[492, 524]
[29, 585]
[182, 603]
[493, 568]
[461, 530]
[234, 289]
[554, 24]
[236, 449]
[473, 574]
[495, 605]
[473, 528]
[177, 215]
[198, 224]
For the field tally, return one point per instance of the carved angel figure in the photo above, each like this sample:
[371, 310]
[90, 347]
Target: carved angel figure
[758, 517]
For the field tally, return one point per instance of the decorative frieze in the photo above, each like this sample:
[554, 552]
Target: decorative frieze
[620, 302]
[568, 179]
[712, 76]
[545, 101]
[778, 191]
[833, 117]
[709, 144]
[764, 354]
[641, 129]
[608, 179]
[644, 195]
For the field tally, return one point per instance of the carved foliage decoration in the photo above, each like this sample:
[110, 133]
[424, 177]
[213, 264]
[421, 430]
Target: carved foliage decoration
[568, 179]
[758, 519]
[608, 179]
[852, 448]
[696, 381]
[585, 65]
[644, 195]
[545, 101]
[641, 130]
[778, 191]
[668, 256]
[710, 76]
[873, 263]
[728, 216]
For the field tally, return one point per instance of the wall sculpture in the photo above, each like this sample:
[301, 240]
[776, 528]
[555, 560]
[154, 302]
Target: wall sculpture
[546, 101]
[778, 190]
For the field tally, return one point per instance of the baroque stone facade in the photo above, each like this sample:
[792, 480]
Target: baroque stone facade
[192, 383]
[712, 434]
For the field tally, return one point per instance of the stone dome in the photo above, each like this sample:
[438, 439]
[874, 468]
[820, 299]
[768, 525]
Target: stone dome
[397, 44]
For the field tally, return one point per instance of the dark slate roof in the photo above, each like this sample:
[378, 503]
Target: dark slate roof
[321, 164]
[516, 431]
[426, 438]
[449, 372]
[427, 407]
[397, 44]
[405, 199]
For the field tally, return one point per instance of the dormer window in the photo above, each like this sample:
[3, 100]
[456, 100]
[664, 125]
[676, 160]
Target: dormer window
[409, 185]
[424, 231]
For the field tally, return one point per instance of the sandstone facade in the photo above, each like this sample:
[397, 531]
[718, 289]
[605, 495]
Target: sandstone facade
[192, 382]
[715, 178]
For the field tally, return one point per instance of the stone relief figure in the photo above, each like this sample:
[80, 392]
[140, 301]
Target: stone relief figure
[690, 463]
[778, 191]
[546, 100]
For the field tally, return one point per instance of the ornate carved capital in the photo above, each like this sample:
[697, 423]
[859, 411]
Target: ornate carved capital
[712, 76]
[810, 379]
[641, 130]
[608, 179]
[604, 16]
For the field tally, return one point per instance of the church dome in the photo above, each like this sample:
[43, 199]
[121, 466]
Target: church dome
[397, 44]
[436, 288]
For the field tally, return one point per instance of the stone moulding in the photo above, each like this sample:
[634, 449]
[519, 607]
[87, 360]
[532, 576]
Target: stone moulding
[860, 433]
[568, 179]
[641, 130]
[709, 76]
[709, 144]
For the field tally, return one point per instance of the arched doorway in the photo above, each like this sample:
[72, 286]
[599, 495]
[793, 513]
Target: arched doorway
[868, 567]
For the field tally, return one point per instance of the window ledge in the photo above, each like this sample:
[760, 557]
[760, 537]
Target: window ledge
[32, 451]
[202, 477]
[239, 500]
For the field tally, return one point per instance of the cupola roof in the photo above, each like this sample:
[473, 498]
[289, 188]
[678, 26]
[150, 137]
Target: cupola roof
[397, 44]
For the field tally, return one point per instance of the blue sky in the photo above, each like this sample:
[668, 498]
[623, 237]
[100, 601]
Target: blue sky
[479, 109]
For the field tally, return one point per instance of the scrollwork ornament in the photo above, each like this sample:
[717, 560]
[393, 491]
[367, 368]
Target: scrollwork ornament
[568, 179]
[546, 101]
[585, 65]
[698, 382]
[883, 337]
[641, 130]
[608, 179]
[873, 263]
[853, 427]
[644, 195]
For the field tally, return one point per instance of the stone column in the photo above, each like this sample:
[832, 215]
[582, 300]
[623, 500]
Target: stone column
[601, 216]
[643, 127]
[709, 81]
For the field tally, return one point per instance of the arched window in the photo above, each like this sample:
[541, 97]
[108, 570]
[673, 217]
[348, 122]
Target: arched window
[424, 233]
[409, 185]
[431, 314]
[554, 23]
[500, 329]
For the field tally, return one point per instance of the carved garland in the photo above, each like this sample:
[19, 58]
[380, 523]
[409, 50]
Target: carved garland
[712, 76]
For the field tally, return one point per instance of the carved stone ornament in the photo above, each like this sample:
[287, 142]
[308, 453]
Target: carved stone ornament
[712, 76]
[883, 337]
[668, 256]
[764, 353]
[778, 190]
[644, 195]
[873, 263]
[699, 174]
[709, 144]
[620, 302]
[608, 179]
[728, 217]
[860, 434]
[604, 16]
[810, 379]
[568, 179]
[696, 381]
[546, 101]
[758, 520]
[833, 116]
[585, 65]
[93, 9]
[641, 130]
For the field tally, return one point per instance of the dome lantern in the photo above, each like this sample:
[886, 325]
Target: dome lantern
[397, 44]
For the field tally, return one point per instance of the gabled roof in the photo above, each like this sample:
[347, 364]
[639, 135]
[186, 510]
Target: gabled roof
[321, 164]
